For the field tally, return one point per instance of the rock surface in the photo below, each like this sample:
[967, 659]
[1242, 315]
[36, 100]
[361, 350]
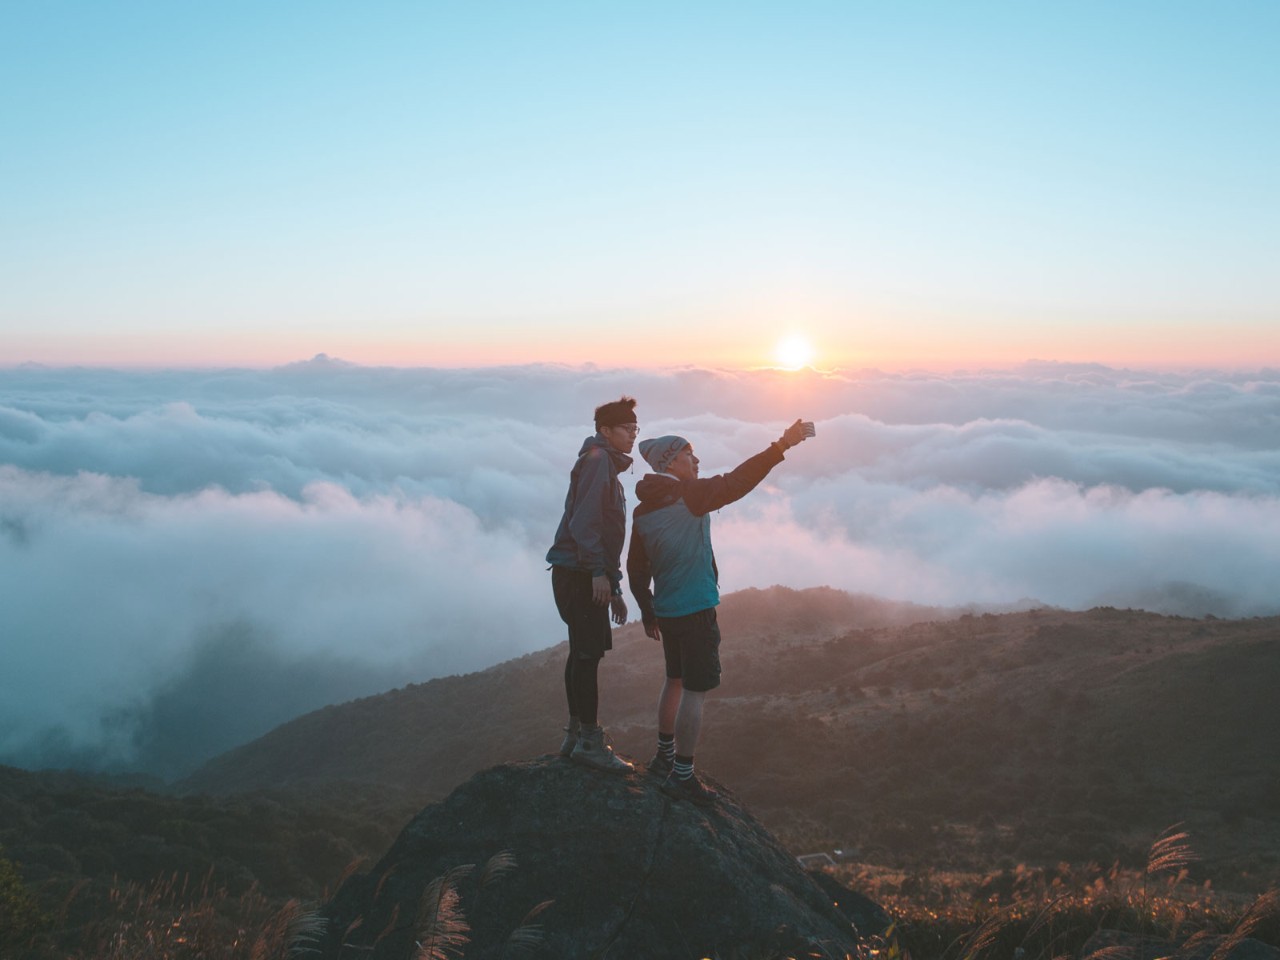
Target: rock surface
[630, 872]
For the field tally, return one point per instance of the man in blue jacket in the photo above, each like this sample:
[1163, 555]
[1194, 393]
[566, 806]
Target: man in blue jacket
[671, 546]
[586, 575]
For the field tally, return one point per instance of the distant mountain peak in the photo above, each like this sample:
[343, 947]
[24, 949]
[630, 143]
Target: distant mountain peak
[321, 361]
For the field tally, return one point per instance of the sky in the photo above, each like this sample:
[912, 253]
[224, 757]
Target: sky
[304, 309]
[918, 185]
[189, 558]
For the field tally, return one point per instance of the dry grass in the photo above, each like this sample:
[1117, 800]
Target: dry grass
[1025, 913]
[172, 918]
[1020, 913]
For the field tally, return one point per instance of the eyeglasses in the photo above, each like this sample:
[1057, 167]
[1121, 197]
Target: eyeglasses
[631, 428]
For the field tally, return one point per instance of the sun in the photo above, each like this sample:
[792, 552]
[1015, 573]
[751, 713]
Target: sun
[793, 352]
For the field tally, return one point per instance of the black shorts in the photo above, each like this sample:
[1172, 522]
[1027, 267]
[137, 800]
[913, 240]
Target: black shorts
[589, 632]
[691, 646]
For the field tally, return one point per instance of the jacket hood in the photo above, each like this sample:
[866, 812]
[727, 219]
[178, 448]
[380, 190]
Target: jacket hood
[657, 490]
[621, 461]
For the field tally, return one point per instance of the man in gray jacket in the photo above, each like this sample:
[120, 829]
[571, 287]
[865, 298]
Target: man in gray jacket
[671, 546]
[586, 575]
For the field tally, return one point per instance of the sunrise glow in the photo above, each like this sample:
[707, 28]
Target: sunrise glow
[629, 229]
[793, 352]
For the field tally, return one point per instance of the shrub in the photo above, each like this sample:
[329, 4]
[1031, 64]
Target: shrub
[20, 917]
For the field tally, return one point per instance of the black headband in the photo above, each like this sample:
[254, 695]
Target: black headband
[616, 412]
[617, 417]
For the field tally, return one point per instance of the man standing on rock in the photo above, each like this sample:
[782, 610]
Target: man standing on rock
[671, 545]
[586, 575]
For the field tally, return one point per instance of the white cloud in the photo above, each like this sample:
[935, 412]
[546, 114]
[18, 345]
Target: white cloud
[337, 530]
[1049, 540]
[109, 593]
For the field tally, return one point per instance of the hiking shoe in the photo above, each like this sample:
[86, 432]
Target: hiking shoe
[592, 750]
[692, 790]
[660, 765]
[570, 738]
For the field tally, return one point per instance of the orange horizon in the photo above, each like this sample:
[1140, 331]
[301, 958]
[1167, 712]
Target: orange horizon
[1228, 349]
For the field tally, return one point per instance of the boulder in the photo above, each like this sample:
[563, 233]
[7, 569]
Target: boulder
[569, 862]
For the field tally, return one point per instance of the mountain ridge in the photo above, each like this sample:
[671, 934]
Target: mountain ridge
[849, 722]
[256, 764]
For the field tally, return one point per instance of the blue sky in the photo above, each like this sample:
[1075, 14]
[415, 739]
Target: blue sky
[437, 183]
[496, 195]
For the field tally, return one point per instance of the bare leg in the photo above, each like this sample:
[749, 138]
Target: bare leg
[669, 704]
[689, 722]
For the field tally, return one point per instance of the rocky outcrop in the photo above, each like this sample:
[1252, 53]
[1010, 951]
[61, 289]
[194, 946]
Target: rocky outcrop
[605, 866]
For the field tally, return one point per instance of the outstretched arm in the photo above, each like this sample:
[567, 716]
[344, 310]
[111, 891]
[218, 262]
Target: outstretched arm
[712, 493]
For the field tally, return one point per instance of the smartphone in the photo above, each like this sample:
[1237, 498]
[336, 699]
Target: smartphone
[809, 429]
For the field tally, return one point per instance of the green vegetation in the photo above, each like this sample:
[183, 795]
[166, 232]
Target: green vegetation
[1000, 778]
[21, 918]
[952, 743]
[1018, 912]
[1036, 737]
[100, 869]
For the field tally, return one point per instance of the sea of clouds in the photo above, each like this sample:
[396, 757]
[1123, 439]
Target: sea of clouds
[189, 558]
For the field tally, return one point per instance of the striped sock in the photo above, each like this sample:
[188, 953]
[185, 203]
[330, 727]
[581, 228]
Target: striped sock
[667, 745]
[683, 768]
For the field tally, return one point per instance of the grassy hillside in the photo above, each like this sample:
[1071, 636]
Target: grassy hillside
[284, 842]
[974, 763]
[96, 859]
[1035, 736]
[434, 735]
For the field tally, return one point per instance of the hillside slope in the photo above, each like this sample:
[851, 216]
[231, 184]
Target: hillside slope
[1039, 735]
[432, 736]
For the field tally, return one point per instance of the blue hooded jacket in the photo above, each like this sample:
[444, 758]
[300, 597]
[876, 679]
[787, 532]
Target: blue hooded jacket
[594, 524]
[671, 536]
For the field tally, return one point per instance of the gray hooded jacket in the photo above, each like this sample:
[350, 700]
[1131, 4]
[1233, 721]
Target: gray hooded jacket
[594, 524]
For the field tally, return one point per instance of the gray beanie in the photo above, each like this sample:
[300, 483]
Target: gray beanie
[660, 452]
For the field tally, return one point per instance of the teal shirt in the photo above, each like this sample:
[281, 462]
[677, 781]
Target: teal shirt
[671, 536]
[683, 565]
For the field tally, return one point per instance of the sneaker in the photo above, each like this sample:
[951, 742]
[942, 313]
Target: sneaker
[570, 739]
[592, 750]
[660, 765]
[692, 790]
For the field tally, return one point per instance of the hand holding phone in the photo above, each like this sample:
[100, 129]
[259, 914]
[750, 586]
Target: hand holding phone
[798, 432]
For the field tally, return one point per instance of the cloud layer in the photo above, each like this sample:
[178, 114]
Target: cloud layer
[189, 558]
